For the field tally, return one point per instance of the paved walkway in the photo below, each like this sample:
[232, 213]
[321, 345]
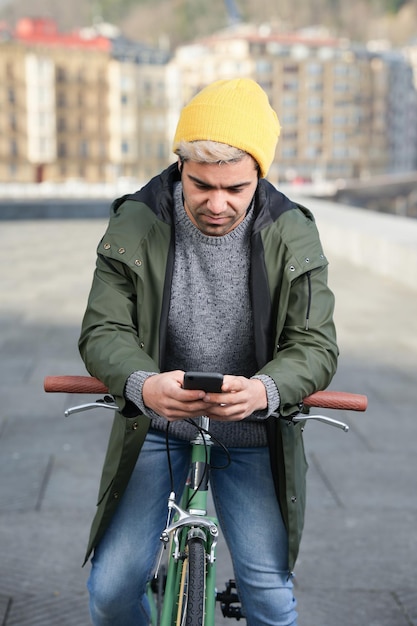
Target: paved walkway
[358, 563]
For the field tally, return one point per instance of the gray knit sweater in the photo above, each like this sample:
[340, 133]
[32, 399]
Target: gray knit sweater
[210, 323]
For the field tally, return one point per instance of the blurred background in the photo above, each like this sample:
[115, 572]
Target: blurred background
[90, 94]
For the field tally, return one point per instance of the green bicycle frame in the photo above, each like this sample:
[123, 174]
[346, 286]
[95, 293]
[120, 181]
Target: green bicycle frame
[191, 515]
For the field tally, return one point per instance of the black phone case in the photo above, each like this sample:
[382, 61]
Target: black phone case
[211, 382]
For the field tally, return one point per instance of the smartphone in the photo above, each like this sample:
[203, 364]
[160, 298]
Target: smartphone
[211, 382]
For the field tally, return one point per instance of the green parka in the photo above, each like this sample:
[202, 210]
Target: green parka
[124, 328]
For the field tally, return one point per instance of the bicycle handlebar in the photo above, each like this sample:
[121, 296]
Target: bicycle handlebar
[74, 384]
[320, 399]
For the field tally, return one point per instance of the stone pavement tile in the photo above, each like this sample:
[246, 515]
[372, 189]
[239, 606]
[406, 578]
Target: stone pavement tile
[368, 480]
[407, 598]
[53, 462]
[73, 482]
[50, 559]
[84, 433]
[357, 548]
[47, 278]
[5, 605]
[62, 608]
[23, 480]
[27, 398]
[328, 606]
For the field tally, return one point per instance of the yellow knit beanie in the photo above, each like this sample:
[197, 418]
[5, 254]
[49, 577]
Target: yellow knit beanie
[235, 112]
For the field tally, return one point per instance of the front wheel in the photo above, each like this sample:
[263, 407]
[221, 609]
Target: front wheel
[194, 584]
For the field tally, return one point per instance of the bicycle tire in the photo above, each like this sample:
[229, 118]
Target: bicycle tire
[195, 586]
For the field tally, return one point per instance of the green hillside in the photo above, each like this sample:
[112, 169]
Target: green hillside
[180, 21]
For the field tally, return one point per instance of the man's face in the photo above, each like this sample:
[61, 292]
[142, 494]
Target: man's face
[217, 196]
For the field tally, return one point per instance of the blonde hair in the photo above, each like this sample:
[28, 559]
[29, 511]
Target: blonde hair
[207, 151]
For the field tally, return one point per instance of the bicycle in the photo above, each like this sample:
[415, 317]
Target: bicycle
[182, 591]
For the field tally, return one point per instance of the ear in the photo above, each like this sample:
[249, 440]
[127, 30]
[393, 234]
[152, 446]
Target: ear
[180, 164]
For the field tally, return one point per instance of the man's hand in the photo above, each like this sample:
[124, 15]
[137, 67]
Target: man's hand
[164, 394]
[240, 397]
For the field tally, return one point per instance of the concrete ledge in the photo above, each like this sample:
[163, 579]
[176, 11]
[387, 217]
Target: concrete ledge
[54, 208]
[385, 244]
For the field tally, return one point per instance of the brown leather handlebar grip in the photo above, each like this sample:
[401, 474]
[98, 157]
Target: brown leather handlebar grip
[74, 384]
[337, 400]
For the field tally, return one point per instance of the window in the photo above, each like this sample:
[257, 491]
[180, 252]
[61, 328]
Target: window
[263, 66]
[291, 68]
[13, 148]
[290, 84]
[314, 69]
[61, 100]
[315, 119]
[289, 119]
[339, 136]
[290, 135]
[315, 135]
[62, 150]
[341, 69]
[340, 120]
[312, 152]
[61, 74]
[315, 101]
[341, 87]
[289, 101]
[315, 86]
[289, 152]
[340, 152]
[83, 148]
[62, 124]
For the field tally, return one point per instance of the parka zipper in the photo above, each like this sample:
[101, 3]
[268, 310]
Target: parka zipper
[308, 274]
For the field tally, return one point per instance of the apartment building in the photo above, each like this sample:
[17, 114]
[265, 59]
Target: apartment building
[82, 106]
[96, 107]
[13, 118]
[54, 112]
[144, 99]
[335, 101]
[401, 114]
[82, 114]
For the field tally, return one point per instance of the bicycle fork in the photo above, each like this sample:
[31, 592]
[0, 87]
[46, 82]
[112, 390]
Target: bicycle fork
[185, 523]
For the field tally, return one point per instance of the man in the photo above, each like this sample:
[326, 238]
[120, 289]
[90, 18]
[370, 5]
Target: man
[209, 268]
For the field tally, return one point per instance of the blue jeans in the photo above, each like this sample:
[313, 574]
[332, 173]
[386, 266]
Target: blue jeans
[249, 517]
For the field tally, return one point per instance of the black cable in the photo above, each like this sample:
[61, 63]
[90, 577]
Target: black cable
[170, 470]
[208, 466]
[217, 441]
